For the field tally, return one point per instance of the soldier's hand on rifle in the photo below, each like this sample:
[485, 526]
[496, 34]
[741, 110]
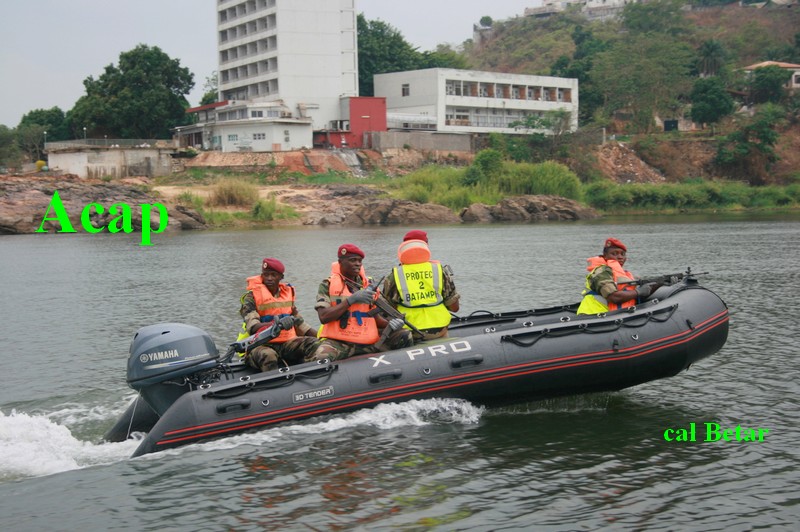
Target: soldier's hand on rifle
[395, 324]
[365, 295]
[285, 323]
[645, 290]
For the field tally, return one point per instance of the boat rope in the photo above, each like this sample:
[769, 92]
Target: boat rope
[481, 316]
[133, 415]
[629, 322]
[274, 382]
[250, 386]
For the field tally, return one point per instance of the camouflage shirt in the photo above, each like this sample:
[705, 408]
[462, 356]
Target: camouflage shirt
[601, 281]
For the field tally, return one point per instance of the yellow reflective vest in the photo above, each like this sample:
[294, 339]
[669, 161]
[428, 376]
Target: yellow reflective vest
[420, 287]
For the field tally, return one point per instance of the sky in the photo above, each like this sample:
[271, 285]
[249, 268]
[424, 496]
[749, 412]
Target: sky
[50, 46]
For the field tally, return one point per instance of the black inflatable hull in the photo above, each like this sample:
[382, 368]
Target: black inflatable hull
[489, 359]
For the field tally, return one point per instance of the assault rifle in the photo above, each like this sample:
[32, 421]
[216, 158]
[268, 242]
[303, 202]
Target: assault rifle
[264, 336]
[669, 279]
[382, 305]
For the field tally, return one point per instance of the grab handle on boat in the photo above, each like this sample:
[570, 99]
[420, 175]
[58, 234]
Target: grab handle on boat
[233, 406]
[471, 360]
[384, 376]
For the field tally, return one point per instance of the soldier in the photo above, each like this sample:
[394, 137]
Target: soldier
[608, 286]
[350, 324]
[269, 302]
[422, 289]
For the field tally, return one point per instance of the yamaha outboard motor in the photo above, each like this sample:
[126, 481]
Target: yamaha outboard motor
[162, 359]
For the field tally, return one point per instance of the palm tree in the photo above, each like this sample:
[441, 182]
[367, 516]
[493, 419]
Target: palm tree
[711, 58]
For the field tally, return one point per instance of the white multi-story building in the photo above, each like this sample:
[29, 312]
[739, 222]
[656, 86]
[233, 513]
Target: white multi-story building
[469, 101]
[284, 67]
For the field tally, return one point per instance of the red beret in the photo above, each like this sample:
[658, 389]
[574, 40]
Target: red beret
[272, 264]
[614, 243]
[416, 234]
[350, 249]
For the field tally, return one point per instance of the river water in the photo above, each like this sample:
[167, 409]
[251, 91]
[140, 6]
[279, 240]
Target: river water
[71, 304]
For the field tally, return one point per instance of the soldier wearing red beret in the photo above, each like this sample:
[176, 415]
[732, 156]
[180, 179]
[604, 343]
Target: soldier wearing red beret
[270, 303]
[345, 308]
[608, 285]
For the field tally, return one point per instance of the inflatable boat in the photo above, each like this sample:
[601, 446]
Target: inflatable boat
[189, 392]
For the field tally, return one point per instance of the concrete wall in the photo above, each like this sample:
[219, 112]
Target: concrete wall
[421, 140]
[95, 163]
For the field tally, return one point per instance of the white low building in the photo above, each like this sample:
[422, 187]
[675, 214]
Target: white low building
[469, 101]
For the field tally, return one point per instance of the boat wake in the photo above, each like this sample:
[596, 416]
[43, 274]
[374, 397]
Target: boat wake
[56, 449]
[36, 445]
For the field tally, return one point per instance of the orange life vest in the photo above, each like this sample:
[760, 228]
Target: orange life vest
[361, 327]
[622, 278]
[272, 308]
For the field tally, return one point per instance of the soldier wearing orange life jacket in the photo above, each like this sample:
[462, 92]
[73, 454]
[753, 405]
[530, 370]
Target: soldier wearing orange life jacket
[270, 302]
[608, 285]
[350, 325]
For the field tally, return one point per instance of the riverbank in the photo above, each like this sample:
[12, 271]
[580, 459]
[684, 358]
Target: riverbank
[26, 200]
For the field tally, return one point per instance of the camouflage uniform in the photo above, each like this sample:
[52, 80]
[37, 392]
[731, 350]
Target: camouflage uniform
[338, 350]
[449, 296]
[267, 357]
[601, 281]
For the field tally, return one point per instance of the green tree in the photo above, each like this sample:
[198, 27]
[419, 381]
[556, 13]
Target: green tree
[749, 152]
[644, 74]
[710, 101]
[579, 67]
[659, 16]
[30, 139]
[52, 120]
[381, 49]
[144, 97]
[210, 89]
[486, 21]
[443, 57]
[10, 155]
[767, 84]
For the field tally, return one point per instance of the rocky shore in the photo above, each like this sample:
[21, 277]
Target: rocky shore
[25, 200]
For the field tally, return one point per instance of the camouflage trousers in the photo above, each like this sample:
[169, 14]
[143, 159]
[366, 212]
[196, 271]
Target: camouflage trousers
[337, 350]
[269, 357]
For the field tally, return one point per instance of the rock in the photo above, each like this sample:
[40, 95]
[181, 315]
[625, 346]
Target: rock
[391, 211]
[477, 213]
[521, 209]
[24, 202]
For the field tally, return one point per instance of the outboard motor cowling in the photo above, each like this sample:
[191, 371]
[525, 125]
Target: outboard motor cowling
[162, 355]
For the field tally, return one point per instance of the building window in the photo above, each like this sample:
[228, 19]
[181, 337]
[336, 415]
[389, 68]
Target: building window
[259, 136]
[233, 138]
[256, 114]
[405, 89]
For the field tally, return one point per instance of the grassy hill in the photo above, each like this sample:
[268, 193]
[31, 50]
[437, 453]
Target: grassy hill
[528, 45]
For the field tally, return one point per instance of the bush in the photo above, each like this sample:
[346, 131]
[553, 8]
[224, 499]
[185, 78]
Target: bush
[264, 210]
[543, 178]
[233, 192]
[190, 200]
[490, 162]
